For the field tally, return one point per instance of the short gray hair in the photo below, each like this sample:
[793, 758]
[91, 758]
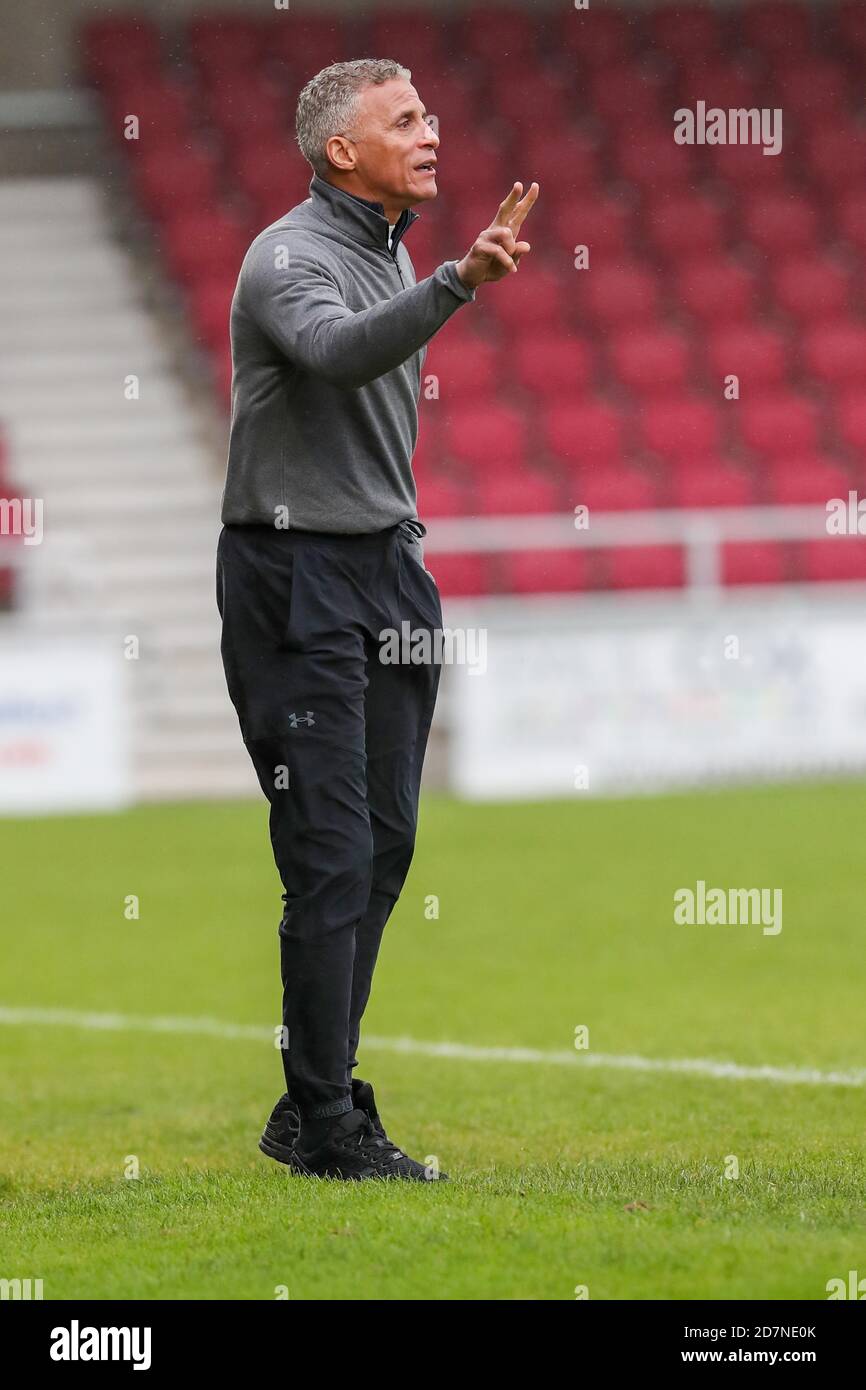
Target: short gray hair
[328, 103]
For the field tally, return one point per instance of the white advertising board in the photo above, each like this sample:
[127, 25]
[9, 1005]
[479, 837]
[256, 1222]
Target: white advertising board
[595, 698]
[64, 742]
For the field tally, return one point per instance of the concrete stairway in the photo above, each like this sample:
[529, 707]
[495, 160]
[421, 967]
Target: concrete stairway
[130, 487]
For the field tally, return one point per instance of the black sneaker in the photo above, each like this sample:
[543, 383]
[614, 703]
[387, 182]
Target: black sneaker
[362, 1095]
[355, 1151]
[281, 1132]
[363, 1099]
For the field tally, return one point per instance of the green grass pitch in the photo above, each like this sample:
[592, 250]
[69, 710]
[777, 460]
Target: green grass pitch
[550, 916]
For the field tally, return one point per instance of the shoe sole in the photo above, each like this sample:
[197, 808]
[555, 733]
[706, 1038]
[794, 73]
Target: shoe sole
[337, 1176]
[281, 1154]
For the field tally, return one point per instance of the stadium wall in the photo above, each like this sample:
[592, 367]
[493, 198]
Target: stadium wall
[38, 36]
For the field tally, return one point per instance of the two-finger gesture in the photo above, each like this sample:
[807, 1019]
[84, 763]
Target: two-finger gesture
[496, 252]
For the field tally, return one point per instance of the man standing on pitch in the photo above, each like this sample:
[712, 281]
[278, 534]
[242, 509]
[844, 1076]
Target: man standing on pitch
[320, 551]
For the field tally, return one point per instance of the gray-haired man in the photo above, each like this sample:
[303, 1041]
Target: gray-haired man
[319, 553]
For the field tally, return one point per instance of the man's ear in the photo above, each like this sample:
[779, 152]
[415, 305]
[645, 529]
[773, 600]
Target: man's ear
[341, 153]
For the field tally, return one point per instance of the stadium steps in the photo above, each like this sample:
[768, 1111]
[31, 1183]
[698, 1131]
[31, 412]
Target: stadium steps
[131, 488]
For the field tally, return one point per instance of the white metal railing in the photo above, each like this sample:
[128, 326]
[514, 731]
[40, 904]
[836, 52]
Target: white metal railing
[49, 109]
[701, 532]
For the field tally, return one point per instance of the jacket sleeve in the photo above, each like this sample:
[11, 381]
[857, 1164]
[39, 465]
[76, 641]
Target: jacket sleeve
[302, 310]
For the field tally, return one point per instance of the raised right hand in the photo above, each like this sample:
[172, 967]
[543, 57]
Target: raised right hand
[496, 251]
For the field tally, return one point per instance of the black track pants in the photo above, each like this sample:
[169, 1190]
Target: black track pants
[337, 739]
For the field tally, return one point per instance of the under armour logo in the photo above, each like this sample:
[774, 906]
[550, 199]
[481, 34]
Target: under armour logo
[296, 719]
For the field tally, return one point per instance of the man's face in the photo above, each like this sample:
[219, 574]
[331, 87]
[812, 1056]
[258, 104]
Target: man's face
[392, 145]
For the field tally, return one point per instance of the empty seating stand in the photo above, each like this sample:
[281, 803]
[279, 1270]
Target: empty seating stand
[660, 272]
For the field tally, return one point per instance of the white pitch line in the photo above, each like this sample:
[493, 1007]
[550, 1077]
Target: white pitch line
[464, 1052]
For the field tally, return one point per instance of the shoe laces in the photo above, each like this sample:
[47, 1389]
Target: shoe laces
[376, 1145]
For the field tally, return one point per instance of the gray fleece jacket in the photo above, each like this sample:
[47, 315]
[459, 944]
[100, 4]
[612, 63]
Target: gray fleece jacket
[328, 333]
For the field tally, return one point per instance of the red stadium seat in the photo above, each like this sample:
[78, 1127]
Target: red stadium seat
[835, 560]
[475, 170]
[851, 419]
[650, 158]
[683, 428]
[538, 299]
[442, 496]
[408, 37]
[548, 571]
[652, 359]
[310, 42]
[628, 94]
[719, 82]
[782, 222]
[248, 107]
[685, 224]
[226, 43]
[467, 369]
[204, 245]
[812, 288]
[458, 576]
[553, 365]
[116, 49]
[449, 98]
[850, 19]
[163, 110]
[489, 30]
[515, 494]
[272, 174]
[712, 485]
[745, 168]
[777, 27]
[811, 89]
[488, 437]
[565, 167]
[835, 353]
[645, 567]
[803, 480]
[780, 422]
[603, 224]
[171, 181]
[851, 219]
[599, 41]
[547, 96]
[717, 291]
[607, 489]
[619, 295]
[584, 432]
[753, 562]
[836, 156]
[754, 354]
[687, 34]
[210, 305]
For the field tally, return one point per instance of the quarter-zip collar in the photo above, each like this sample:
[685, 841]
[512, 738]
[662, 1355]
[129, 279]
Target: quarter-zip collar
[359, 218]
